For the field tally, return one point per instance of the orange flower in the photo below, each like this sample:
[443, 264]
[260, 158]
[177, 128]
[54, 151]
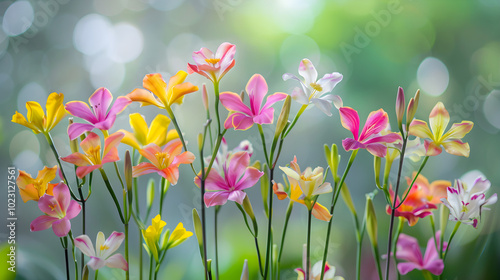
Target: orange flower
[33, 189]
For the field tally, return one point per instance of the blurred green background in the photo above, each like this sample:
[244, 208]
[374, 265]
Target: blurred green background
[448, 49]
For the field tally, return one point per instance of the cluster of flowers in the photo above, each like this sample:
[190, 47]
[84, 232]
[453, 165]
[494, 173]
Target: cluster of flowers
[225, 174]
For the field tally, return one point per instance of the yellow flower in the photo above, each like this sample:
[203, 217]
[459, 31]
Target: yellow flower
[152, 235]
[33, 189]
[166, 94]
[37, 120]
[179, 235]
[143, 135]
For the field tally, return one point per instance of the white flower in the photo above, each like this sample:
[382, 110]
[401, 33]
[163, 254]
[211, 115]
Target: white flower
[101, 256]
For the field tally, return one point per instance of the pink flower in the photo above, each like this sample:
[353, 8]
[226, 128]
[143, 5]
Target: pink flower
[92, 159]
[213, 66]
[101, 256]
[242, 117]
[99, 117]
[237, 177]
[58, 209]
[408, 250]
[370, 138]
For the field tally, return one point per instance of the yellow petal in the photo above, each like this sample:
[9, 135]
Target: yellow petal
[321, 213]
[140, 128]
[156, 84]
[171, 135]
[458, 130]
[145, 97]
[129, 139]
[55, 110]
[457, 147]
[47, 174]
[420, 129]
[20, 119]
[35, 115]
[176, 94]
[158, 130]
[23, 179]
[438, 120]
[29, 193]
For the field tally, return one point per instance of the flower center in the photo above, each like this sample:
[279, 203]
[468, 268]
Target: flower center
[304, 178]
[163, 159]
[94, 153]
[316, 87]
[464, 207]
[212, 61]
[104, 247]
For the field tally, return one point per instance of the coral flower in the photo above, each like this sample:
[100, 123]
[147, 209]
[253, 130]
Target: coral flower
[425, 192]
[213, 66]
[311, 90]
[102, 116]
[143, 135]
[33, 189]
[237, 177]
[164, 161]
[101, 256]
[91, 159]
[407, 249]
[166, 94]
[412, 209]
[466, 204]
[58, 209]
[370, 138]
[37, 120]
[439, 119]
[242, 117]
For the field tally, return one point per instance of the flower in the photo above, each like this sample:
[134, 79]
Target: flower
[164, 161]
[313, 89]
[213, 66]
[101, 256]
[99, 117]
[143, 135]
[223, 154]
[152, 235]
[370, 138]
[294, 191]
[414, 149]
[237, 177]
[33, 189]
[37, 120]
[166, 94]
[439, 119]
[425, 192]
[466, 204]
[179, 235]
[315, 272]
[242, 117]
[58, 209]
[407, 249]
[92, 159]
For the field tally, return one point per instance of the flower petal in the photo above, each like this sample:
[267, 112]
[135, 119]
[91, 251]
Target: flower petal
[143, 168]
[178, 91]
[408, 249]
[96, 263]
[406, 267]
[273, 98]
[61, 227]
[216, 198]
[378, 150]
[457, 147]
[324, 105]
[249, 179]
[157, 131]
[350, 120]
[112, 141]
[83, 243]
[100, 101]
[77, 159]
[82, 171]
[73, 209]
[239, 121]
[232, 102]
[82, 110]
[321, 213]
[62, 196]
[420, 129]
[431, 148]
[42, 223]
[237, 196]
[307, 71]
[90, 142]
[35, 114]
[438, 120]
[117, 261]
[120, 104]
[20, 119]
[256, 89]
[329, 81]
[264, 117]
[375, 123]
[145, 97]
[129, 139]
[55, 110]
[112, 243]
[77, 129]
[458, 130]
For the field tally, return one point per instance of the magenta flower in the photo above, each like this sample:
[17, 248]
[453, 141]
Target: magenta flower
[242, 117]
[58, 209]
[408, 250]
[101, 255]
[237, 177]
[213, 66]
[99, 117]
[370, 138]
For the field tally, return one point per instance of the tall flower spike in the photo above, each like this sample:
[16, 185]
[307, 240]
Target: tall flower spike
[407, 249]
[92, 159]
[102, 116]
[58, 209]
[312, 90]
[436, 135]
[164, 161]
[466, 205]
[37, 120]
[242, 117]
[213, 66]
[158, 93]
[143, 135]
[33, 189]
[102, 255]
[370, 138]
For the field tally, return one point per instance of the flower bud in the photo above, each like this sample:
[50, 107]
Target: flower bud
[150, 193]
[400, 107]
[198, 230]
[128, 171]
[85, 273]
[244, 271]
[333, 159]
[242, 96]
[248, 207]
[283, 118]
[73, 144]
[346, 196]
[377, 161]
[371, 221]
[204, 96]
[200, 141]
[264, 188]
[412, 109]
[444, 213]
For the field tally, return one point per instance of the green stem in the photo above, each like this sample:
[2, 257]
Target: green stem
[301, 110]
[396, 238]
[214, 153]
[413, 181]
[431, 219]
[377, 260]
[427, 275]
[308, 250]
[82, 201]
[258, 256]
[269, 225]
[164, 186]
[127, 272]
[179, 132]
[150, 267]
[216, 92]
[285, 226]
[56, 155]
[64, 242]
[457, 225]
[96, 274]
[70, 234]
[136, 196]
[140, 255]
[216, 214]
[202, 206]
[263, 138]
[359, 242]
[112, 193]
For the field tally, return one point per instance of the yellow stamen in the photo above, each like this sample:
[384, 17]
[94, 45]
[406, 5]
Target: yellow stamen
[94, 153]
[104, 247]
[163, 159]
[316, 87]
[212, 60]
[52, 207]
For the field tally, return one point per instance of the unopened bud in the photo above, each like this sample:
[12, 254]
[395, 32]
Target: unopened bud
[73, 144]
[346, 196]
[400, 107]
[283, 118]
[412, 109]
[200, 141]
[377, 162]
[248, 207]
[264, 188]
[128, 170]
[150, 193]
[244, 272]
[444, 213]
[85, 273]
[242, 96]
[371, 221]
[204, 96]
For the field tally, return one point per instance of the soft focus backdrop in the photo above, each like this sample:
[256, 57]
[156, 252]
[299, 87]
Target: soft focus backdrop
[448, 49]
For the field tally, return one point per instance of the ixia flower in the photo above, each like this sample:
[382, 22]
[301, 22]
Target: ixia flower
[104, 248]
[238, 175]
[166, 94]
[310, 180]
[33, 189]
[143, 135]
[224, 154]
[311, 89]
[315, 272]
[179, 235]
[242, 117]
[466, 204]
[213, 66]
[37, 120]
[102, 116]
[152, 235]
[370, 138]
[58, 209]
[439, 119]
[407, 249]
[91, 159]
[164, 161]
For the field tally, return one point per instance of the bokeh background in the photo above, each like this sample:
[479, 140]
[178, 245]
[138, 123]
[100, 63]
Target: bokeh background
[448, 49]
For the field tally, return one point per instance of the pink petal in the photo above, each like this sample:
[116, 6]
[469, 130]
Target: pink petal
[432, 261]
[49, 205]
[106, 124]
[273, 98]
[61, 227]
[237, 196]
[91, 141]
[406, 267]
[240, 121]
[184, 158]
[224, 69]
[77, 159]
[307, 70]
[264, 117]
[351, 144]
[120, 104]
[96, 263]
[80, 109]
[171, 174]
[73, 209]
[431, 148]
[408, 249]
[249, 179]
[225, 52]
[375, 123]
[77, 129]
[150, 152]
[117, 261]
[216, 198]
[232, 102]
[388, 138]
[435, 267]
[100, 101]
[173, 148]
[82, 171]
[113, 243]
[42, 223]
[200, 56]
[83, 243]
[143, 169]
[214, 182]
[237, 165]
[256, 89]
[111, 156]
[350, 120]
[62, 195]
[377, 150]
[112, 141]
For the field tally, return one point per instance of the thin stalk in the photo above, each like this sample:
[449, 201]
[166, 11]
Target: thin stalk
[96, 274]
[359, 242]
[377, 260]
[119, 175]
[127, 272]
[163, 192]
[82, 201]
[70, 234]
[137, 210]
[263, 138]
[112, 193]
[217, 99]
[258, 256]
[150, 267]
[301, 110]
[216, 214]
[269, 225]
[56, 155]
[64, 242]
[214, 153]
[308, 250]
[179, 132]
[431, 219]
[396, 238]
[422, 165]
[427, 275]
[457, 225]
[285, 226]
[202, 206]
